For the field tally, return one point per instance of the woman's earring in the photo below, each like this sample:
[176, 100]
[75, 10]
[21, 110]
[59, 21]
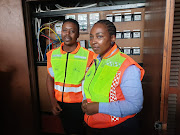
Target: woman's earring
[112, 43]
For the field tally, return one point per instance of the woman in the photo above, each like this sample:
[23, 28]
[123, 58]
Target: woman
[112, 86]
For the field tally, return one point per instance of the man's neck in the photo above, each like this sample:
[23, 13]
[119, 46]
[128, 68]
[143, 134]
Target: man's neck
[68, 48]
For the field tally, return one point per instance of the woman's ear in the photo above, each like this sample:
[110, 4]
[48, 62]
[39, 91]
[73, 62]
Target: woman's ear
[113, 39]
[78, 35]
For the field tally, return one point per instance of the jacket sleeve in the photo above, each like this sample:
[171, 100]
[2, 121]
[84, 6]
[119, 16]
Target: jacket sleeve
[132, 90]
[49, 66]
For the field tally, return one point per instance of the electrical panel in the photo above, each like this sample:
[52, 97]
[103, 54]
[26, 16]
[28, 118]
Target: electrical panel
[129, 29]
[129, 25]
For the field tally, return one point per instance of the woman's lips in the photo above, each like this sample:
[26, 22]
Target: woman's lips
[95, 48]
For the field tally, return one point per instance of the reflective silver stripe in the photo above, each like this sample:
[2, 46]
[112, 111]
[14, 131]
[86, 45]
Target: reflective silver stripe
[83, 87]
[51, 71]
[81, 57]
[112, 53]
[68, 89]
[57, 55]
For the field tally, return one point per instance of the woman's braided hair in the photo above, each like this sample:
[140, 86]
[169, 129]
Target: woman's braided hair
[110, 26]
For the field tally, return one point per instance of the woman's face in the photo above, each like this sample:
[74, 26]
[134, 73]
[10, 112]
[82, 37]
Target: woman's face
[100, 39]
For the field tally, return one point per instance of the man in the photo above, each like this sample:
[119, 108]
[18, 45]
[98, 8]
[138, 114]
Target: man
[67, 66]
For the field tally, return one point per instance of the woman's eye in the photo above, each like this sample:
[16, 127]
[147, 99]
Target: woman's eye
[99, 36]
[91, 37]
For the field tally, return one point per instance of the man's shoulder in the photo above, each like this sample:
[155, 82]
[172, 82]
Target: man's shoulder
[50, 51]
[89, 51]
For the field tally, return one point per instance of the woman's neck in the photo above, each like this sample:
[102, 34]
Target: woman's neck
[102, 55]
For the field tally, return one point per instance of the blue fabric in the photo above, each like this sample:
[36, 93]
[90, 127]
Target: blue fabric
[132, 90]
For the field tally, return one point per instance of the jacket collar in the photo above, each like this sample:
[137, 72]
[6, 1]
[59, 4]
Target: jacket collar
[73, 52]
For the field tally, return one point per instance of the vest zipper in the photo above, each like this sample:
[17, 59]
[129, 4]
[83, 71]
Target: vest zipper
[65, 74]
[93, 76]
[90, 83]
[95, 67]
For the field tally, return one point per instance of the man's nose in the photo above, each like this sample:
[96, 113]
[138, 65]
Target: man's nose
[67, 32]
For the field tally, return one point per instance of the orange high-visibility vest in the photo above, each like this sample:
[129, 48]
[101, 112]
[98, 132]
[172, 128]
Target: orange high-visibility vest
[68, 71]
[103, 85]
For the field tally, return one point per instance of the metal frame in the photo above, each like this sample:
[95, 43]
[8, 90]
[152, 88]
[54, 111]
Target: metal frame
[94, 9]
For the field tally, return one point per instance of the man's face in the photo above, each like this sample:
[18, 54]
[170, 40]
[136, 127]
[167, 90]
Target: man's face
[69, 33]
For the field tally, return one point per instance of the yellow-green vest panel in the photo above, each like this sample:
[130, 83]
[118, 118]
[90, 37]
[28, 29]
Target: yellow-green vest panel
[76, 66]
[98, 82]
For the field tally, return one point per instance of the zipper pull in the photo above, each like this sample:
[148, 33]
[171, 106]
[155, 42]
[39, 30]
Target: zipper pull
[95, 63]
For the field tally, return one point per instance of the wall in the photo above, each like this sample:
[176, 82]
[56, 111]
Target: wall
[16, 109]
[152, 62]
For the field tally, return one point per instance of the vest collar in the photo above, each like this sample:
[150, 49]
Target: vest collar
[110, 53]
[73, 52]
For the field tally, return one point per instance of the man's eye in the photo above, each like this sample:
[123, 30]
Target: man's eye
[64, 30]
[72, 31]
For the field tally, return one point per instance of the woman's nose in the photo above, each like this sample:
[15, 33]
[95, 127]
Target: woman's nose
[94, 40]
